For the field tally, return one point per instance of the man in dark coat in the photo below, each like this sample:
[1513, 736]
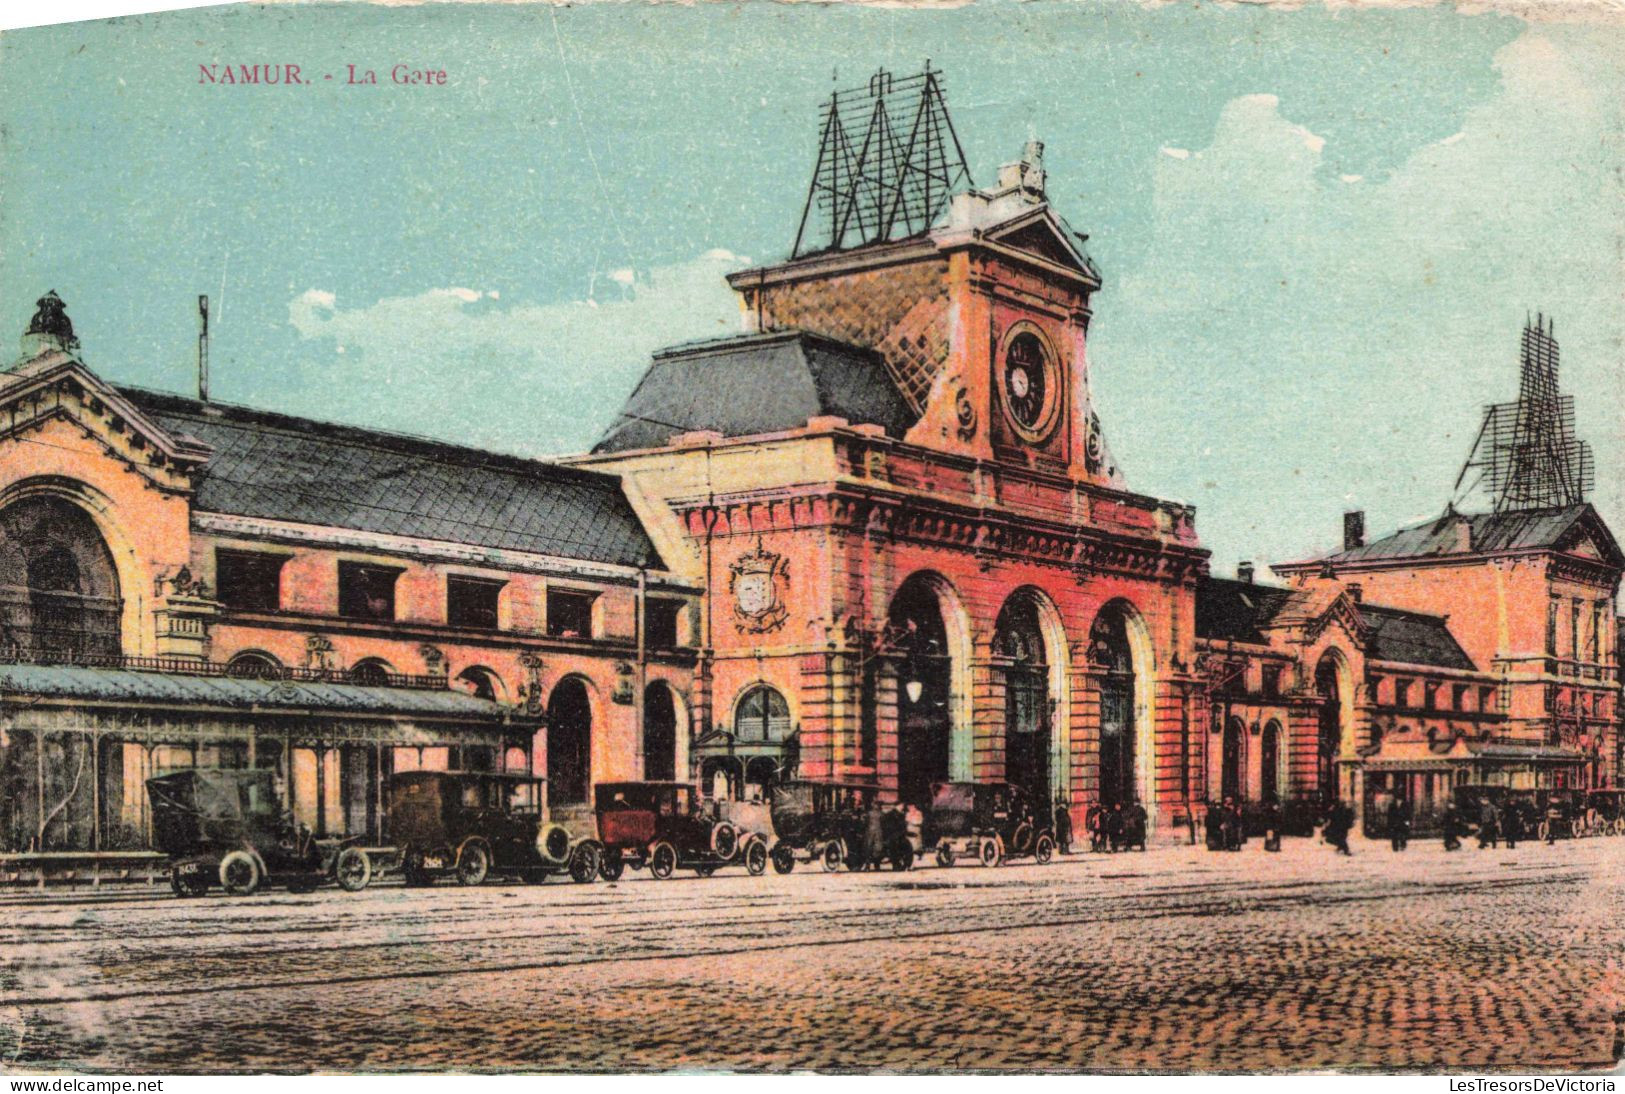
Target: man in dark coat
[1213, 824]
[1399, 823]
[1489, 824]
[1114, 827]
[1511, 822]
[1339, 822]
[1232, 825]
[1451, 821]
[1134, 822]
[1063, 827]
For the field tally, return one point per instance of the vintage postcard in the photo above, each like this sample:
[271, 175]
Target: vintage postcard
[1066, 536]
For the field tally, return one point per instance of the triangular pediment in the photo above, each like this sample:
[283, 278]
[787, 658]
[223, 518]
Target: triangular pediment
[57, 386]
[1590, 538]
[1040, 234]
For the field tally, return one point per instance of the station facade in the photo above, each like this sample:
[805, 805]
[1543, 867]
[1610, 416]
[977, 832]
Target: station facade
[878, 536]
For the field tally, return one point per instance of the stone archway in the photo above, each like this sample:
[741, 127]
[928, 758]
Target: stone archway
[1334, 735]
[569, 744]
[1030, 643]
[659, 732]
[930, 638]
[64, 600]
[1269, 764]
[1233, 761]
[1120, 649]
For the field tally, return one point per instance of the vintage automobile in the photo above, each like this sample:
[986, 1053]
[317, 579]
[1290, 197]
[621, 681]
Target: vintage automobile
[471, 825]
[1605, 813]
[988, 822]
[1560, 814]
[663, 825]
[227, 826]
[836, 824]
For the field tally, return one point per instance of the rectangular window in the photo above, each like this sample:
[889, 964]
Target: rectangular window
[249, 581]
[1595, 650]
[1551, 627]
[1430, 695]
[472, 601]
[1486, 699]
[1402, 693]
[660, 623]
[1459, 697]
[569, 613]
[1574, 630]
[367, 591]
[1272, 681]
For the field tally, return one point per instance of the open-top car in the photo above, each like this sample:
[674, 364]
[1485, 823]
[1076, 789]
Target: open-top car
[1605, 812]
[474, 824]
[835, 824]
[228, 827]
[662, 825]
[988, 822]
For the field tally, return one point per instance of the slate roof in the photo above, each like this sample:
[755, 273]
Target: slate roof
[284, 468]
[1238, 611]
[130, 686]
[756, 383]
[1412, 638]
[1524, 529]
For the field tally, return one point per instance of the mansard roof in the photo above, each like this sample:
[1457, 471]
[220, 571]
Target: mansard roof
[1241, 611]
[278, 467]
[1560, 528]
[757, 383]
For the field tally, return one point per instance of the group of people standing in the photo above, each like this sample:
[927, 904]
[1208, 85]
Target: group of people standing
[1118, 828]
[1227, 828]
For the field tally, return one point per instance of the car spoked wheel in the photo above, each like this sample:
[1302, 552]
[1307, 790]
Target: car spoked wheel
[784, 859]
[662, 861]
[756, 859]
[239, 873]
[1021, 840]
[945, 855]
[188, 884]
[584, 863]
[724, 840]
[833, 854]
[473, 865]
[611, 866]
[1044, 849]
[353, 870]
[989, 854]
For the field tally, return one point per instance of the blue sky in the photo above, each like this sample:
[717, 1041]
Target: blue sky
[1320, 231]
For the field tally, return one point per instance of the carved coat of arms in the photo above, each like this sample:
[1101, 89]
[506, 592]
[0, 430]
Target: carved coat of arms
[758, 582]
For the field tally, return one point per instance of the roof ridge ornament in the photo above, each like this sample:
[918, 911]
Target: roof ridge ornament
[49, 329]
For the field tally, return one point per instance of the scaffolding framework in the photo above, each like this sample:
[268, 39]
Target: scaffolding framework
[1526, 455]
[888, 158]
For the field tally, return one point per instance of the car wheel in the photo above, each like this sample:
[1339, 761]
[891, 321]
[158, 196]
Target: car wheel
[610, 866]
[584, 863]
[989, 854]
[414, 873]
[473, 865]
[834, 853]
[901, 855]
[353, 870]
[724, 840]
[662, 861]
[1021, 840]
[1044, 849]
[704, 871]
[784, 858]
[945, 855]
[756, 859]
[188, 886]
[239, 873]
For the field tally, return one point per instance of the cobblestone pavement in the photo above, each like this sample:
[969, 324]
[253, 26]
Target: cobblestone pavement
[1176, 959]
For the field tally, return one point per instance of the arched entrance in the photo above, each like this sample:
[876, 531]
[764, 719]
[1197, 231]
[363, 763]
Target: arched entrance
[569, 744]
[59, 590]
[1329, 741]
[1119, 649]
[1269, 760]
[659, 732]
[924, 690]
[1232, 767]
[1029, 728]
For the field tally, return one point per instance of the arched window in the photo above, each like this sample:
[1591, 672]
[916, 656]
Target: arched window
[659, 732]
[1018, 637]
[254, 665]
[481, 683]
[569, 744]
[370, 672]
[762, 715]
[59, 592]
[1269, 758]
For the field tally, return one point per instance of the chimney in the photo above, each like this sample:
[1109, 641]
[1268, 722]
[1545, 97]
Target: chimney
[1353, 529]
[1027, 173]
[1244, 572]
[203, 349]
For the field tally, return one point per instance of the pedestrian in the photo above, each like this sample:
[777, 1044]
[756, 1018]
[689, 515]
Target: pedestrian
[1114, 827]
[1063, 827]
[1554, 817]
[1272, 825]
[1213, 825]
[1339, 822]
[1399, 823]
[1511, 822]
[1134, 822]
[1232, 825]
[1096, 822]
[1451, 822]
[1489, 825]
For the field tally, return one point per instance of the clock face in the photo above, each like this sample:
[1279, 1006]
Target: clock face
[1029, 384]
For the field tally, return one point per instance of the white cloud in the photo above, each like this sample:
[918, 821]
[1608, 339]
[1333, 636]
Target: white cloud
[537, 378]
[1382, 314]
